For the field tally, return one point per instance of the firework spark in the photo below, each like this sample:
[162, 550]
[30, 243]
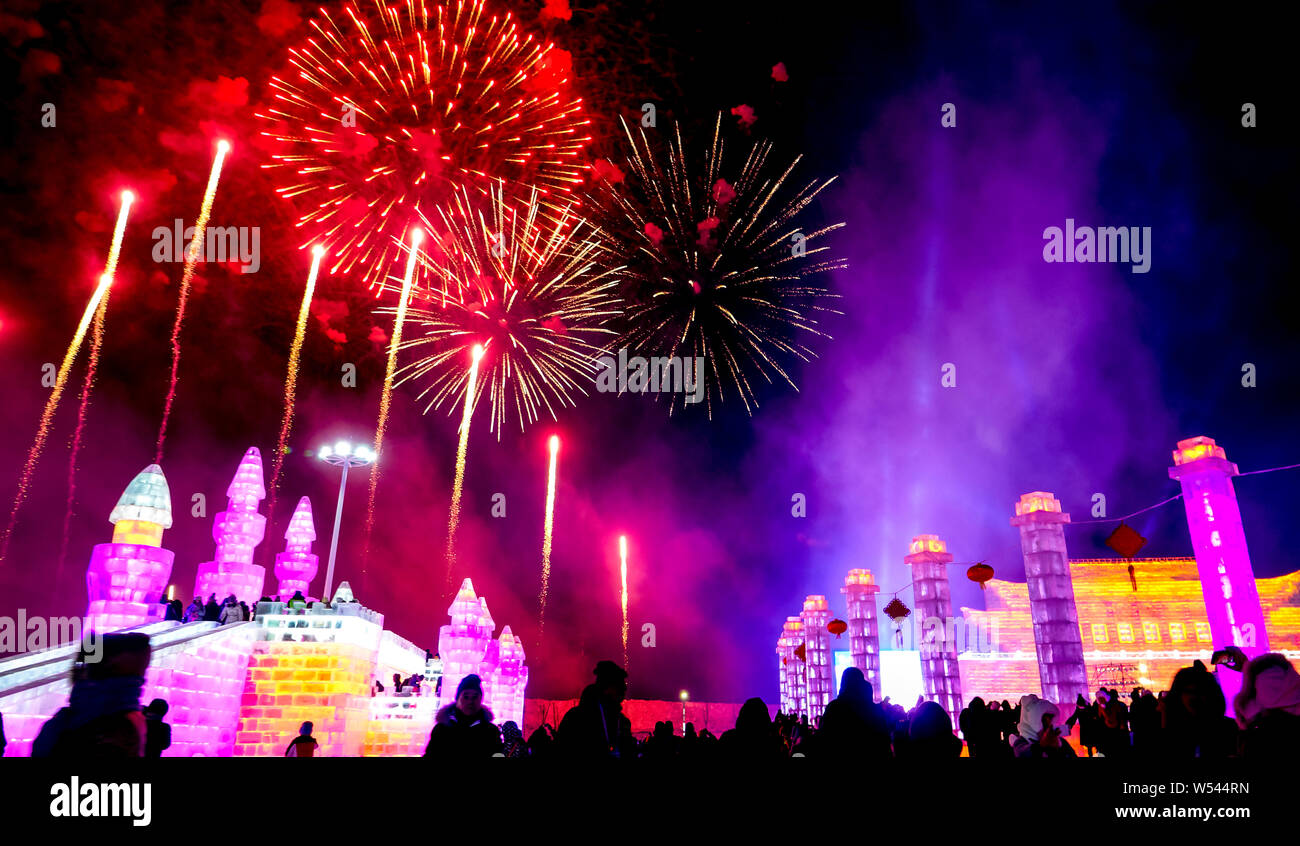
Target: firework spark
[93, 312]
[291, 375]
[462, 448]
[192, 257]
[386, 393]
[533, 288]
[719, 260]
[388, 107]
[547, 526]
[622, 568]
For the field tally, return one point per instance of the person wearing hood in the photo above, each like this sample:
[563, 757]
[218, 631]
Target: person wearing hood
[1268, 709]
[194, 612]
[853, 726]
[102, 718]
[595, 728]
[304, 745]
[512, 740]
[1037, 734]
[929, 735]
[231, 612]
[212, 610]
[754, 739]
[463, 730]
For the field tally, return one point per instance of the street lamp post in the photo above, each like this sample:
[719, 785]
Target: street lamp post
[685, 696]
[344, 455]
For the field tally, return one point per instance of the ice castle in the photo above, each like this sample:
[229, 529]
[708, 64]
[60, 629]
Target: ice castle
[244, 688]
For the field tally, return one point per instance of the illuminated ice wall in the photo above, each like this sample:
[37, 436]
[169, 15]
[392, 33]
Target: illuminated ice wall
[237, 530]
[929, 559]
[296, 566]
[127, 577]
[1219, 543]
[1061, 669]
[864, 633]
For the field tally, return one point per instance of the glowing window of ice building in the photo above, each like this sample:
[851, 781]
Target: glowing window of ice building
[1125, 632]
[1176, 633]
[1151, 632]
[843, 659]
[1099, 633]
[900, 676]
[1203, 632]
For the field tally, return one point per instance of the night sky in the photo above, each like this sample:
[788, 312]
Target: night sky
[1072, 378]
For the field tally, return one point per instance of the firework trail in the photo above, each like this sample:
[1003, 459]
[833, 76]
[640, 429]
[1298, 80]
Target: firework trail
[547, 526]
[532, 286]
[92, 313]
[719, 260]
[389, 107]
[462, 448]
[291, 376]
[192, 256]
[622, 568]
[386, 394]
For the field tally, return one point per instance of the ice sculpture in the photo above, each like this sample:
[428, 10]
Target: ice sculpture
[1222, 559]
[296, 566]
[237, 530]
[127, 577]
[940, 673]
[796, 680]
[463, 643]
[817, 654]
[864, 633]
[507, 678]
[1061, 669]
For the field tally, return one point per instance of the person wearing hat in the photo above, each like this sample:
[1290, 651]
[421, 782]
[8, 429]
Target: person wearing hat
[158, 735]
[463, 730]
[102, 718]
[596, 727]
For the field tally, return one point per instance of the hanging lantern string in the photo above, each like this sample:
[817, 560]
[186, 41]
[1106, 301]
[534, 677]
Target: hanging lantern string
[1127, 516]
[951, 564]
[1172, 498]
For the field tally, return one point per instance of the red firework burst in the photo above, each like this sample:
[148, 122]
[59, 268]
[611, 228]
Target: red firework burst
[388, 109]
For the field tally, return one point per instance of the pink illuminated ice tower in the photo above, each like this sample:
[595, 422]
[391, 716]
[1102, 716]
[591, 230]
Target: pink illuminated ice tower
[794, 678]
[508, 680]
[1061, 670]
[127, 577]
[464, 642]
[816, 614]
[864, 634]
[929, 559]
[296, 566]
[237, 530]
[1222, 560]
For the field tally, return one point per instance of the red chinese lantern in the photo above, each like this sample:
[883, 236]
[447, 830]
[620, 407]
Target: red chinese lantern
[837, 627]
[980, 572]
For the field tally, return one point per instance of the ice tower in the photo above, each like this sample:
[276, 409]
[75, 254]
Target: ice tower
[296, 566]
[864, 633]
[464, 642]
[817, 653]
[237, 530]
[1222, 560]
[127, 577]
[1061, 670]
[509, 679]
[796, 682]
[929, 559]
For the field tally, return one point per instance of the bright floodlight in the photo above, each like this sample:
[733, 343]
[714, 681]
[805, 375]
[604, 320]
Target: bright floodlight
[343, 448]
[325, 452]
[685, 696]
